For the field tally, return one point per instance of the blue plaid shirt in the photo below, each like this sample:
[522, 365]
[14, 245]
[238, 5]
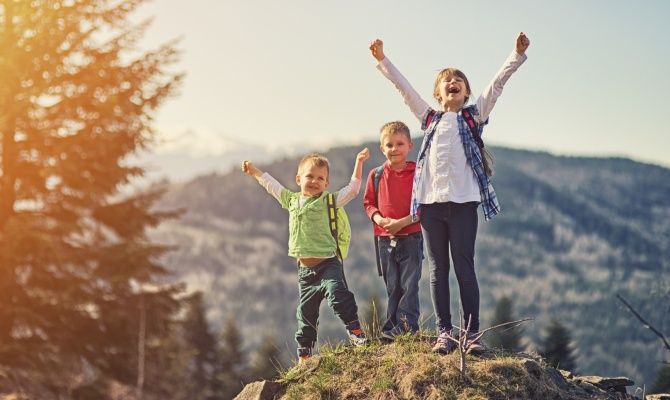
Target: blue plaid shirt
[429, 121]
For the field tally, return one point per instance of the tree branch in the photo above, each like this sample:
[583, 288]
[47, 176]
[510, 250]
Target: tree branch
[644, 323]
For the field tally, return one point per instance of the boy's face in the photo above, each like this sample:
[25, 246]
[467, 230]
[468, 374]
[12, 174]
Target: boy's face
[395, 147]
[453, 89]
[312, 180]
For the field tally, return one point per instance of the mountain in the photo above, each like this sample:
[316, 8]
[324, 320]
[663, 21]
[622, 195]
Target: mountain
[573, 233]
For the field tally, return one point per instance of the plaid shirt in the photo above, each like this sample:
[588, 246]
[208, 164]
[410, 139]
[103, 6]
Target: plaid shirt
[490, 204]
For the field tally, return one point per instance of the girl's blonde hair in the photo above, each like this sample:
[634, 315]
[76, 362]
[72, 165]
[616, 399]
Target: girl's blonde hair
[314, 160]
[447, 72]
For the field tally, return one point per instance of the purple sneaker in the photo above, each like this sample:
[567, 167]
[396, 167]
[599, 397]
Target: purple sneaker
[444, 344]
[476, 344]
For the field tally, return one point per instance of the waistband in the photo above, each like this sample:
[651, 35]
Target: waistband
[401, 237]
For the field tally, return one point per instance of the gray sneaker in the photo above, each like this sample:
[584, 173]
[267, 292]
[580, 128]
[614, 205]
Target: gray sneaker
[393, 333]
[444, 345]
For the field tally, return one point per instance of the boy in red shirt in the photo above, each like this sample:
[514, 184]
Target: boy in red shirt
[399, 239]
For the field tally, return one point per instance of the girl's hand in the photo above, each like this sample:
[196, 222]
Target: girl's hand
[250, 169]
[363, 155]
[522, 43]
[377, 49]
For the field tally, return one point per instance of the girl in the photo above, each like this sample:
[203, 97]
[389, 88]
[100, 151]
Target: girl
[451, 180]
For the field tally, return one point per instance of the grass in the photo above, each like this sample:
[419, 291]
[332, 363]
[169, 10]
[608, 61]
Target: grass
[407, 369]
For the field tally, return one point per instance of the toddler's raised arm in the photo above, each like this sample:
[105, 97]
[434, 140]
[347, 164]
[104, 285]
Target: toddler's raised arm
[349, 192]
[264, 179]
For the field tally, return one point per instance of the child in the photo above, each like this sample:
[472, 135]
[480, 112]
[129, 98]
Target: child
[311, 243]
[398, 237]
[455, 181]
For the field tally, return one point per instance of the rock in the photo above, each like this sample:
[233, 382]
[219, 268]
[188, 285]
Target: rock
[660, 396]
[533, 368]
[566, 374]
[557, 377]
[589, 387]
[261, 390]
[607, 384]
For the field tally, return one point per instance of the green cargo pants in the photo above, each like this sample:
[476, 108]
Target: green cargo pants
[325, 279]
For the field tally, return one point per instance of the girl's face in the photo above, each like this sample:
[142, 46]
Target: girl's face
[453, 89]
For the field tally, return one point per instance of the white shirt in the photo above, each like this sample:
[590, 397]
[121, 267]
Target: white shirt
[447, 176]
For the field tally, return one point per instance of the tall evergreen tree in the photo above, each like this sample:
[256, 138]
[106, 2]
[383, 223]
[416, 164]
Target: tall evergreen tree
[206, 361]
[233, 370]
[507, 338]
[557, 346]
[662, 382]
[265, 361]
[76, 99]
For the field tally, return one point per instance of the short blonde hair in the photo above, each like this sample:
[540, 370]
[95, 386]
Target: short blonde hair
[394, 128]
[447, 72]
[314, 160]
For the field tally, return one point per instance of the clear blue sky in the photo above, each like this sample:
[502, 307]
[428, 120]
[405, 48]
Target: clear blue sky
[297, 75]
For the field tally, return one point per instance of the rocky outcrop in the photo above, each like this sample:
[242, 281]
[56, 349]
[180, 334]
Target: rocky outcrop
[560, 384]
[261, 390]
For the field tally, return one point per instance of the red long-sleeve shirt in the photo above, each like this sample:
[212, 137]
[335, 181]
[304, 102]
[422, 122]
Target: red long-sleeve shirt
[394, 194]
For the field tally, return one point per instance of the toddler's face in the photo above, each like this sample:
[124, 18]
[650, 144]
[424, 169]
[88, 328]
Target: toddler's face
[312, 180]
[396, 147]
[453, 89]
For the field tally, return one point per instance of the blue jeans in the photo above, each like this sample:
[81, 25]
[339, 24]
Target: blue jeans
[401, 266]
[452, 226]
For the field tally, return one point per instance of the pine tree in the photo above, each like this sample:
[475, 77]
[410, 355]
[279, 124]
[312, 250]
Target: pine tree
[206, 362]
[507, 338]
[266, 361]
[557, 347]
[233, 370]
[662, 381]
[77, 270]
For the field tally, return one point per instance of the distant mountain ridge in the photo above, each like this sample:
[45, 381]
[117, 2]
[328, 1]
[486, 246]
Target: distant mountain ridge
[573, 232]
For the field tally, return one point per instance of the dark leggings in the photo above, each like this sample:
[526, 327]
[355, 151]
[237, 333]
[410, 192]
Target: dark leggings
[452, 226]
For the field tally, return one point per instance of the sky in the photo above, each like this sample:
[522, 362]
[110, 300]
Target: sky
[265, 79]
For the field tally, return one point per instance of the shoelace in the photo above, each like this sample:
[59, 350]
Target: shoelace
[357, 332]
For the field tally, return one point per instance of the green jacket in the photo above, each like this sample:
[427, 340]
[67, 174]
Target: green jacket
[309, 231]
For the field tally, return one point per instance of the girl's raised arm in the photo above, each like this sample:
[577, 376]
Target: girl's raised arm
[490, 95]
[416, 104]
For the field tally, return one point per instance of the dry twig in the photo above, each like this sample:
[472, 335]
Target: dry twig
[644, 323]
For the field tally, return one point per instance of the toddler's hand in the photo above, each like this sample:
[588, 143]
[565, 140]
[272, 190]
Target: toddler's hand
[250, 169]
[522, 43]
[377, 49]
[363, 155]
